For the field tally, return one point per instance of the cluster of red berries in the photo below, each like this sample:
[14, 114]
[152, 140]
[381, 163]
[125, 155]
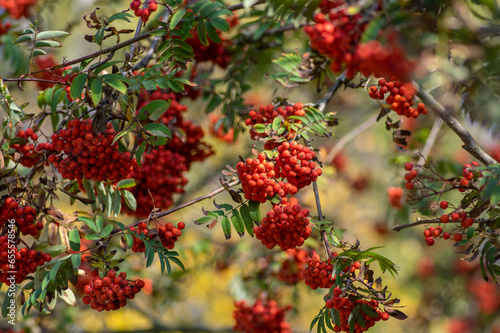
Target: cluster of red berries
[161, 176]
[162, 171]
[318, 273]
[24, 217]
[167, 234]
[90, 155]
[395, 197]
[344, 306]
[261, 317]
[29, 157]
[401, 97]
[294, 163]
[17, 8]
[111, 292]
[143, 13]
[467, 175]
[258, 179]
[291, 270]
[337, 35]
[410, 175]
[434, 232]
[267, 114]
[387, 60]
[286, 226]
[216, 53]
[25, 261]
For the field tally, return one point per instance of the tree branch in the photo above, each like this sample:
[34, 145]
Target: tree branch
[470, 145]
[341, 79]
[430, 140]
[324, 238]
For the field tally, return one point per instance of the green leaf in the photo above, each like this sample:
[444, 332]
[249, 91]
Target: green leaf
[237, 222]
[117, 203]
[51, 34]
[88, 222]
[129, 239]
[220, 24]
[178, 262]
[176, 18]
[23, 38]
[47, 43]
[202, 33]
[154, 109]
[212, 33]
[38, 52]
[140, 152]
[74, 239]
[92, 237]
[54, 270]
[116, 84]
[158, 129]
[78, 85]
[96, 91]
[126, 183]
[107, 230]
[210, 8]
[254, 207]
[8, 303]
[120, 16]
[175, 85]
[99, 223]
[76, 260]
[129, 199]
[247, 219]
[372, 29]
[90, 192]
[226, 227]
[205, 219]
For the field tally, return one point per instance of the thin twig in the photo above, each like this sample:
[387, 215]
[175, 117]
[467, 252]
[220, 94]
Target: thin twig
[430, 141]
[341, 79]
[324, 238]
[126, 43]
[184, 205]
[34, 79]
[470, 145]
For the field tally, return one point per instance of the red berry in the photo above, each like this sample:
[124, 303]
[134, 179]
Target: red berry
[152, 6]
[29, 132]
[408, 166]
[443, 204]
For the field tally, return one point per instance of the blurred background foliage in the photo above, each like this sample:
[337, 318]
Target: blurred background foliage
[440, 292]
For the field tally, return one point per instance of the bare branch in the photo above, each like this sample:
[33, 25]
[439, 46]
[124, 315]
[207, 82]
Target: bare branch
[470, 145]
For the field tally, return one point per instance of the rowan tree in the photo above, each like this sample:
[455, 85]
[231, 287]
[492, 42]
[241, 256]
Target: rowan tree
[164, 93]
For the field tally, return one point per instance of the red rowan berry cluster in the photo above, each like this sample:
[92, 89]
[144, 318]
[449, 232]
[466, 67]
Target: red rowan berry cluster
[143, 13]
[432, 232]
[261, 317]
[167, 234]
[266, 115]
[291, 270]
[24, 217]
[395, 197]
[25, 261]
[294, 163]
[17, 8]
[216, 53]
[467, 176]
[318, 274]
[111, 292]
[337, 35]
[161, 176]
[286, 226]
[29, 157]
[387, 60]
[345, 305]
[162, 172]
[90, 155]
[258, 179]
[401, 97]
[410, 175]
